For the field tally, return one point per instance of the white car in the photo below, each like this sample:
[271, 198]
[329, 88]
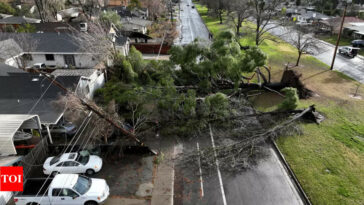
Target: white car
[73, 163]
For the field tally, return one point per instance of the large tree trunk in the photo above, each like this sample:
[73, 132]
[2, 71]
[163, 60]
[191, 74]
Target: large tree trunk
[299, 58]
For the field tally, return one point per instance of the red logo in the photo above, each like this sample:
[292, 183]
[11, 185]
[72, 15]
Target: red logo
[11, 179]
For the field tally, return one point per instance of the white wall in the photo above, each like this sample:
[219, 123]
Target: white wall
[81, 60]
[124, 50]
[87, 86]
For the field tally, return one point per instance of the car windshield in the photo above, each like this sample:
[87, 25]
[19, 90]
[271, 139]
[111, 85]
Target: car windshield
[54, 160]
[83, 157]
[82, 185]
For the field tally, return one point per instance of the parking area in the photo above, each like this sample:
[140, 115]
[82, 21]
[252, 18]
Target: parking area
[128, 175]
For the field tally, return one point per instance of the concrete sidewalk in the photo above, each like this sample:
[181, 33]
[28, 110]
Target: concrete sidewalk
[125, 201]
[164, 181]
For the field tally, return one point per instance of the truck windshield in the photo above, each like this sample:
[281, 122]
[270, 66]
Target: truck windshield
[83, 185]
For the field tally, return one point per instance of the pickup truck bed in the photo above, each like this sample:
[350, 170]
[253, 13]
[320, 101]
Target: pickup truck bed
[32, 187]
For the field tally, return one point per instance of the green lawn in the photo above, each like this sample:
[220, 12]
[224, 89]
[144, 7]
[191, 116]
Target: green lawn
[328, 159]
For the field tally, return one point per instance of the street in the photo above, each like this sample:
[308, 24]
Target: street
[353, 67]
[191, 25]
[267, 182]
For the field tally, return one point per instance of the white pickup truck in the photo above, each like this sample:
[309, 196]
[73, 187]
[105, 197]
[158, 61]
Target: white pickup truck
[70, 189]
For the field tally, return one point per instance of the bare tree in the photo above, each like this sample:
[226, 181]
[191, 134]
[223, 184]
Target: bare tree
[240, 10]
[263, 13]
[304, 41]
[155, 7]
[47, 9]
[97, 41]
[17, 47]
[89, 7]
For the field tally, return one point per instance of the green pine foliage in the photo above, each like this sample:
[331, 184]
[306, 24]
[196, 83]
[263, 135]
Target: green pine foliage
[291, 99]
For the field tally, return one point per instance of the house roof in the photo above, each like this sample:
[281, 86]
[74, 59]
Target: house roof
[18, 20]
[136, 21]
[86, 72]
[314, 15]
[9, 124]
[34, 94]
[55, 27]
[45, 42]
[6, 70]
[356, 27]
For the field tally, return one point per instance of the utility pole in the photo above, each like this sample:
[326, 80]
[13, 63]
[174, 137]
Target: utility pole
[339, 35]
[95, 110]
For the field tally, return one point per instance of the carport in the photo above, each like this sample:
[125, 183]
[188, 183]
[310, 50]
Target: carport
[9, 125]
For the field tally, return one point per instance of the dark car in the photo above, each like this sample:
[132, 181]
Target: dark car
[358, 43]
[348, 51]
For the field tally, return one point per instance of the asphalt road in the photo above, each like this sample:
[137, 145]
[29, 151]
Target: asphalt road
[191, 25]
[353, 67]
[263, 184]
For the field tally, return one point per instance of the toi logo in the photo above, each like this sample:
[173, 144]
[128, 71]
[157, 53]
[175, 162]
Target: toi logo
[11, 179]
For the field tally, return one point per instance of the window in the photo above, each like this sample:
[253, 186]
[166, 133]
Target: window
[68, 192]
[82, 185]
[56, 192]
[54, 160]
[49, 57]
[70, 164]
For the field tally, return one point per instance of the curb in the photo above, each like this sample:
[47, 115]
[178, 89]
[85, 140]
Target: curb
[302, 193]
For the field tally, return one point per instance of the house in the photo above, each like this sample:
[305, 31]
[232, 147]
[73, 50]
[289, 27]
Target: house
[124, 12]
[122, 44]
[57, 50]
[136, 37]
[307, 17]
[354, 30]
[332, 25]
[69, 13]
[16, 21]
[35, 95]
[90, 80]
[135, 24]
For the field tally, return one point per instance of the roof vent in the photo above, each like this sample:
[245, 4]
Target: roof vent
[83, 27]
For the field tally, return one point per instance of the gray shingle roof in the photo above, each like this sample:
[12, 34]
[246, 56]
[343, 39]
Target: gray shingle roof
[47, 42]
[86, 72]
[6, 70]
[26, 89]
[18, 20]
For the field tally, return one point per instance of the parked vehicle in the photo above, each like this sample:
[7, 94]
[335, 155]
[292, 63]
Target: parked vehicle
[348, 51]
[358, 43]
[73, 163]
[63, 128]
[64, 189]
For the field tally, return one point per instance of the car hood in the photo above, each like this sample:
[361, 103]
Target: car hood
[94, 162]
[98, 188]
[47, 162]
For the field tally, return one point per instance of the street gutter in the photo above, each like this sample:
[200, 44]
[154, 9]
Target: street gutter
[292, 175]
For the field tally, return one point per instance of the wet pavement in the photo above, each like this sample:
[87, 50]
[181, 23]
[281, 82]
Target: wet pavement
[125, 175]
[267, 182]
[191, 24]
